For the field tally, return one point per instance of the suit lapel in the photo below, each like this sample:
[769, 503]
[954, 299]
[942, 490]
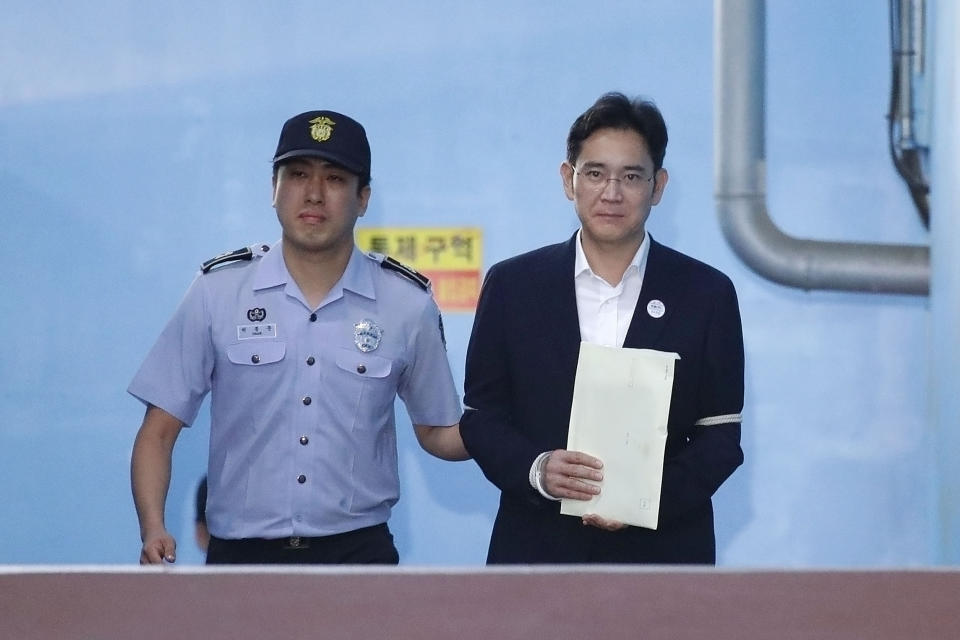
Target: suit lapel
[560, 303]
[655, 296]
[560, 306]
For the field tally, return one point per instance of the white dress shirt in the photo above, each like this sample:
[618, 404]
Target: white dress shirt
[605, 309]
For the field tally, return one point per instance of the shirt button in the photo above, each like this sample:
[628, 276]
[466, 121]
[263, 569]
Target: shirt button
[313, 317]
[307, 400]
[361, 369]
[255, 359]
[304, 440]
[310, 361]
[301, 478]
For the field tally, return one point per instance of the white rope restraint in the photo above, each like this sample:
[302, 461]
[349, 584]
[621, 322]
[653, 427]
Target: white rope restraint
[536, 475]
[714, 420]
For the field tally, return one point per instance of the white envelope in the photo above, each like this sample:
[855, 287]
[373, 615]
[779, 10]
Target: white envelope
[621, 401]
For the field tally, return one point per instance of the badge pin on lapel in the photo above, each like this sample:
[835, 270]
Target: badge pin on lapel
[656, 309]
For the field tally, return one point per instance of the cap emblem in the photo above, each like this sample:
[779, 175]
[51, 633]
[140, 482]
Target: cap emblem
[321, 128]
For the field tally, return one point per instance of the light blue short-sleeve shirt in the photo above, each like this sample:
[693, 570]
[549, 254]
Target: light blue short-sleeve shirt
[302, 436]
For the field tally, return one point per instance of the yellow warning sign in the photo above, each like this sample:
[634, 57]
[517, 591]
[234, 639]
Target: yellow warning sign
[452, 257]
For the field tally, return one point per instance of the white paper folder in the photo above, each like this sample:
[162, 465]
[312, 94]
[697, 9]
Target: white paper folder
[621, 402]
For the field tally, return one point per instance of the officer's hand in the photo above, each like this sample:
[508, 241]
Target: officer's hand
[158, 546]
[572, 474]
[593, 520]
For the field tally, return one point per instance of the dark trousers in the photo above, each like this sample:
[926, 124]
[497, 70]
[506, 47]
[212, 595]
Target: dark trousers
[370, 545]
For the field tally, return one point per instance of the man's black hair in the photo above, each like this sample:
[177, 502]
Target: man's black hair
[616, 111]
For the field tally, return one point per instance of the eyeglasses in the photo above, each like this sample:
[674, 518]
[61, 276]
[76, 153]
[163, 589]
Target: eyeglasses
[597, 178]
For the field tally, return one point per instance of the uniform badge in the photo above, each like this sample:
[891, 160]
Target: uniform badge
[257, 314]
[366, 335]
[321, 128]
[253, 331]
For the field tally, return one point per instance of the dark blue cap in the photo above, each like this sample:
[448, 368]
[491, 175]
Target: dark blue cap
[329, 135]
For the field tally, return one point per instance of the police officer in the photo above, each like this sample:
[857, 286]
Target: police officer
[304, 346]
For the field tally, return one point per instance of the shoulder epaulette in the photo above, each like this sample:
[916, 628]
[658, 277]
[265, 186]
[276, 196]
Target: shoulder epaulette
[415, 276]
[246, 253]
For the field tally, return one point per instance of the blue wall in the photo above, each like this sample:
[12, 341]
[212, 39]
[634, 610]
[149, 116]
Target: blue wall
[135, 143]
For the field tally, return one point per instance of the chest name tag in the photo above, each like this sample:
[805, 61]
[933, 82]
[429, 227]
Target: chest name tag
[252, 331]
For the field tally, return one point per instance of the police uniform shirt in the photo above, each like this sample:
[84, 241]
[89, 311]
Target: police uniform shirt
[302, 436]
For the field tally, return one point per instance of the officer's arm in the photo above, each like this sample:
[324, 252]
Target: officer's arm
[442, 442]
[150, 479]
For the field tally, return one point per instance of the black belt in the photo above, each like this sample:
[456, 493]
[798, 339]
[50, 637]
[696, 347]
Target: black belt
[292, 543]
[296, 542]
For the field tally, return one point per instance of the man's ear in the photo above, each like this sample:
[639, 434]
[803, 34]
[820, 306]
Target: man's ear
[364, 200]
[659, 184]
[566, 173]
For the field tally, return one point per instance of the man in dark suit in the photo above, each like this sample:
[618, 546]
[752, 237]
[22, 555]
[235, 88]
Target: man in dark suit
[609, 284]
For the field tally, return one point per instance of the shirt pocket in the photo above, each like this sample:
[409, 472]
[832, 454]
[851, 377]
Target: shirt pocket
[364, 365]
[256, 354]
[365, 389]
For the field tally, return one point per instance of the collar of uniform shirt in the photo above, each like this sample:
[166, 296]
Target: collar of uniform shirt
[603, 323]
[272, 272]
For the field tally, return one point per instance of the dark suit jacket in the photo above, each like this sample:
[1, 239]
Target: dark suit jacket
[520, 370]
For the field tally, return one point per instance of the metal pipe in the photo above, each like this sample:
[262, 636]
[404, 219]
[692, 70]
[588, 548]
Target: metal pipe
[919, 35]
[944, 328]
[905, 60]
[739, 176]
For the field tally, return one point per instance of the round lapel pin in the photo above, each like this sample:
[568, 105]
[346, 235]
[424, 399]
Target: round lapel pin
[656, 309]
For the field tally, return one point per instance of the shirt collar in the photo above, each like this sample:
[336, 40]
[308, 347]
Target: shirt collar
[637, 264]
[272, 272]
[357, 276]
